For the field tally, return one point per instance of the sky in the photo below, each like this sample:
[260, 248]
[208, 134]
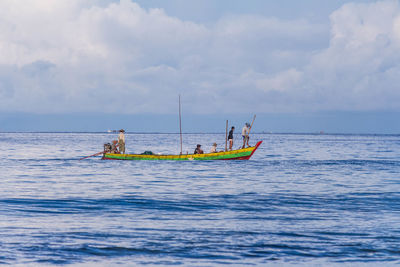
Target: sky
[303, 66]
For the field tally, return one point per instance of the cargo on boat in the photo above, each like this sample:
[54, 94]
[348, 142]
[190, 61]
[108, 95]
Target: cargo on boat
[239, 154]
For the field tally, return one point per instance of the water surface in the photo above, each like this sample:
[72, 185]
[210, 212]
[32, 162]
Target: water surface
[301, 199]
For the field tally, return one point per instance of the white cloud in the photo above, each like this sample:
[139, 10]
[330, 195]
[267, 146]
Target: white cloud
[353, 72]
[76, 55]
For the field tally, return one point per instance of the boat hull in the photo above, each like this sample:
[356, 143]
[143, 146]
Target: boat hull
[240, 154]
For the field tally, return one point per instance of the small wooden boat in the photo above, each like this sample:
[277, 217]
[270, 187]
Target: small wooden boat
[239, 154]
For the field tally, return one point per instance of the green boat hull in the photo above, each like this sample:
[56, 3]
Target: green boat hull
[240, 154]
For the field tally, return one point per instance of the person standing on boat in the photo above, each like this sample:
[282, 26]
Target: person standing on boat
[245, 134]
[198, 150]
[230, 137]
[121, 141]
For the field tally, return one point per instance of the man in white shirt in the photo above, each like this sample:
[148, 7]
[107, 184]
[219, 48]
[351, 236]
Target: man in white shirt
[245, 134]
[121, 141]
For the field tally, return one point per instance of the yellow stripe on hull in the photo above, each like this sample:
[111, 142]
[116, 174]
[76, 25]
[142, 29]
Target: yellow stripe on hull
[234, 154]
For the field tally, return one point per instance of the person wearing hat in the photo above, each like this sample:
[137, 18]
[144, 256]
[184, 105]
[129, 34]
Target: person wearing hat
[214, 148]
[198, 150]
[121, 141]
[245, 134]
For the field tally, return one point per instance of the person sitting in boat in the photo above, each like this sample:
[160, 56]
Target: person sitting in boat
[198, 150]
[121, 141]
[107, 148]
[214, 148]
[114, 148]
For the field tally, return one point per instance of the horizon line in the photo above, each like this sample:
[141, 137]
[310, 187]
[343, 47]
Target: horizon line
[263, 132]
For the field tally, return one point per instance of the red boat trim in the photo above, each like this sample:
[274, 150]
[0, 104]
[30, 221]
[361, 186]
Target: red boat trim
[257, 145]
[239, 158]
[247, 157]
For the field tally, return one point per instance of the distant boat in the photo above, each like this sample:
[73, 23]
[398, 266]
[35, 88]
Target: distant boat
[239, 154]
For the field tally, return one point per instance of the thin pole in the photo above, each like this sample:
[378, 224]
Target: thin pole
[180, 122]
[226, 136]
[98, 153]
[252, 123]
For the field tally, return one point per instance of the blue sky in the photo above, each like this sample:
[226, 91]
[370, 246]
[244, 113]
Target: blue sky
[289, 61]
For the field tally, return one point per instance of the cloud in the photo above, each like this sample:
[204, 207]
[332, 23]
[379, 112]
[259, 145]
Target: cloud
[85, 56]
[358, 71]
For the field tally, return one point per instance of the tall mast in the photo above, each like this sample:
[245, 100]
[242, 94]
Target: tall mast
[180, 122]
[226, 136]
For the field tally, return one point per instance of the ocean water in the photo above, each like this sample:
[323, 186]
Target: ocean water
[301, 199]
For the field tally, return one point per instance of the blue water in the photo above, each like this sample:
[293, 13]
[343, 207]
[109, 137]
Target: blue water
[301, 199]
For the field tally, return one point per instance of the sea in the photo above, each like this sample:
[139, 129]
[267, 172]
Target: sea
[302, 199]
